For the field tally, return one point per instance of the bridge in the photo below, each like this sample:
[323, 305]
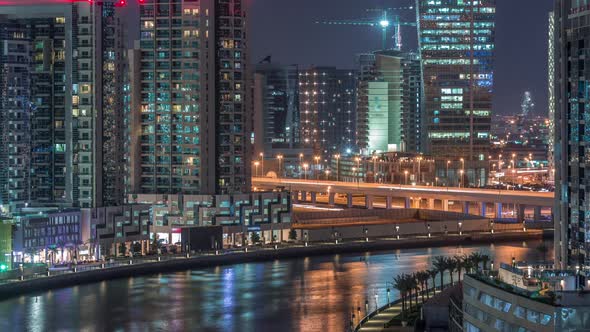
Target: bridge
[413, 196]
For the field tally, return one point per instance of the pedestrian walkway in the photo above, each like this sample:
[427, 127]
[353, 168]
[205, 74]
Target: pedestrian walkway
[378, 321]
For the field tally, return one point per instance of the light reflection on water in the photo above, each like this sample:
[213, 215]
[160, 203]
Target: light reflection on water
[308, 294]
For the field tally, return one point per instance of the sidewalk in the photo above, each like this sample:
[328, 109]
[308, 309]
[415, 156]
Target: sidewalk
[377, 322]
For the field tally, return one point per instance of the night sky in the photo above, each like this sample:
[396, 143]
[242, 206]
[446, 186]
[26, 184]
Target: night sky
[286, 30]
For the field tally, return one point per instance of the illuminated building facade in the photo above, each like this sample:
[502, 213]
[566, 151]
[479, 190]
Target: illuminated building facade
[551, 94]
[572, 89]
[389, 114]
[457, 46]
[71, 91]
[195, 119]
[327, 106]
[276, 107]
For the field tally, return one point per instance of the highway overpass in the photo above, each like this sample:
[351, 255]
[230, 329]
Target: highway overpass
[307, 190]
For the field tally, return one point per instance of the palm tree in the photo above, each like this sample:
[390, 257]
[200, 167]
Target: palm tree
[543, 249]
[422, 278]
[485, 258]
[460, 264]
[400, 284]
[433, 272]
[451, 266]
[440, 263]
[476, 258]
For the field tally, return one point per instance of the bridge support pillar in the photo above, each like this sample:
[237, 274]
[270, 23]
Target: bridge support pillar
[313, 197]
[304, 196]
[520, 212]
[295, 196]
[483, 208]
[466, 207]
[498, 208]
[445, 204]
[349, 200]
[537, 213]
[407, 202]
[368, 202]
[431, 204]
[331, 198]
[388, 202]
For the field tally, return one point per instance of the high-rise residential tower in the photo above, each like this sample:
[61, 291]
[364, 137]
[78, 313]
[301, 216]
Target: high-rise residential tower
[389, 112]
[457, 47]
[276, 102]
[551, 95]
[572, 134]
[71, 98]
[327, 104]
[195, 122]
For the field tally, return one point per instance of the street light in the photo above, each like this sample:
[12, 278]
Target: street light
[448, 163]
[460, 224]
[327, 175]
[419, 159]
[280, 159]
[337, 167]
[305, 166]
[397, 231]
[354, 174]
[461, 179]
[406, 177]
[462, 168]
[256, 163]
[317, 164]
[262, 164]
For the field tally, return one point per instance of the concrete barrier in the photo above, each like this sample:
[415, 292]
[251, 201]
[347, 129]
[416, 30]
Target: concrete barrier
[124, 271]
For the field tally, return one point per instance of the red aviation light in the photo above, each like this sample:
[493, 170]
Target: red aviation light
[121, 3]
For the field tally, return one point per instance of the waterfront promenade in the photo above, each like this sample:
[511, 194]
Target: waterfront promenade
[122, 268]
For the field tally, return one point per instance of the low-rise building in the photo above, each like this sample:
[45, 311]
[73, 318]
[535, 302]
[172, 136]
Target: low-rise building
[116, 227]
[266, 213]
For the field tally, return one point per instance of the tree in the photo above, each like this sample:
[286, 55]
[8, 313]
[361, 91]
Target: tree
[433, 272]
[451, 266]
[543, 249]
[255, 237]
[476, 258]
[460, 264]
[440, 263]
[422, 278]
[62, 245]
[293, 235]
[136, 247]
[400, 283]
[485, 259]
[122, 248]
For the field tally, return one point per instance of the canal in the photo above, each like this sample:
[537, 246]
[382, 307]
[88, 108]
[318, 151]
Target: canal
[307, 294]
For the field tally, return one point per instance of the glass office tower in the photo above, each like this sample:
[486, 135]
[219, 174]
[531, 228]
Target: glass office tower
[457, 47]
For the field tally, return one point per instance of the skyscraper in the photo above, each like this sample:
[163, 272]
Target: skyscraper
[276, 99]
[327, 104]
[389, 114]
[195, 125]
[551, 94]
[572, 90]
[457, 46]
[70, 104]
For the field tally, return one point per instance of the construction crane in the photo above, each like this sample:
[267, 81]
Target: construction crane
[385, 22]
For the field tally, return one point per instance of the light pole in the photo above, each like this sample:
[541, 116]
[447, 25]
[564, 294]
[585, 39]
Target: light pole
[448, 181]
[419, 159]
[337, 167]
[262, 164]
[327, 175]
[354, 174]
[375, 169]
[305, 166]
[436, 181]
[256, 163]
[462, 168]
[280, 159]
[317, 165]
[460, 224]
[406, 177]
[461, 179]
